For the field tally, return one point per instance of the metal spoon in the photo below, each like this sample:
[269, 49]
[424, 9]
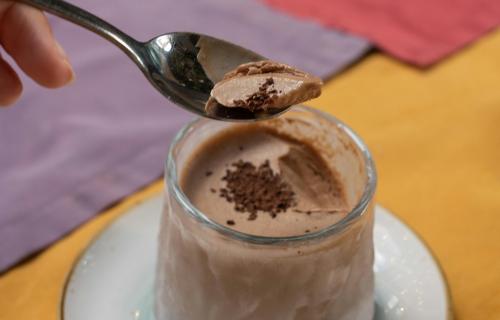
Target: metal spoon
[182, 66]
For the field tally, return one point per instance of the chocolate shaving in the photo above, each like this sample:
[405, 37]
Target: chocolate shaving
[253, 189]
[258, 100]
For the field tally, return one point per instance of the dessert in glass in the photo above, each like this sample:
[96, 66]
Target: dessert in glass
[267, 220]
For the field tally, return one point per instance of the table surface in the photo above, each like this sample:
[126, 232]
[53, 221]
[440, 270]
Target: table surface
[435, 136]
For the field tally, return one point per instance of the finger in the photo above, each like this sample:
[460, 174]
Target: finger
[10, 85]
[26, 35]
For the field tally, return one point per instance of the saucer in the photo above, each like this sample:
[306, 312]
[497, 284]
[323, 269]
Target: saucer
[113, 279]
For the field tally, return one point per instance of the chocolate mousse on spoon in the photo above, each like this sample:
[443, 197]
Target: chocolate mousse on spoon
[263, 88]
[185, 66]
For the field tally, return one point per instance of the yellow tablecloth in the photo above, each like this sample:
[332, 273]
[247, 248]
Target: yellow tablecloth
[435, 135]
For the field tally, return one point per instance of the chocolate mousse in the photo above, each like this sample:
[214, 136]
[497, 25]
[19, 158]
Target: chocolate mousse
[265, 241]
[266, 183]
[263, 86]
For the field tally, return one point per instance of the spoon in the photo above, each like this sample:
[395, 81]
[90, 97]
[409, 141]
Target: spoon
[182, 66]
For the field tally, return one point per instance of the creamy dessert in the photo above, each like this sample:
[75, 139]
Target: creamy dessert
[216, 257]
[262, 183]
[263, 86]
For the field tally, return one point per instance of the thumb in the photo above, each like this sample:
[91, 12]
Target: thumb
[26, 36]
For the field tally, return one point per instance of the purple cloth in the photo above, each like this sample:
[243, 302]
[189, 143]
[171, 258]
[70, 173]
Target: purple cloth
[67, 154]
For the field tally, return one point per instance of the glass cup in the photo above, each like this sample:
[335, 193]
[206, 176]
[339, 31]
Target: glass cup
[208, 271]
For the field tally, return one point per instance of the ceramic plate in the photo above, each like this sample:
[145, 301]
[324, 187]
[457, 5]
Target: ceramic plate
[113, 279]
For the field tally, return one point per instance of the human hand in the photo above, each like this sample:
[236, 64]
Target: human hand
[26, 36]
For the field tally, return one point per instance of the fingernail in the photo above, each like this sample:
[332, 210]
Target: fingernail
[61, 51]
[72, 73]
[64, 56]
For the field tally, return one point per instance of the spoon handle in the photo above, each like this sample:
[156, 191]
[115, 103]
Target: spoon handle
[91, 22]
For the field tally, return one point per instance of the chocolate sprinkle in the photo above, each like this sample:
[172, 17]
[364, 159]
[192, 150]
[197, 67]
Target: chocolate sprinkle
[208, 173]
[230, 222]
[254, 189]
[258, 100]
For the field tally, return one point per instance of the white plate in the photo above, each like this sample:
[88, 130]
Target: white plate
[113, 280]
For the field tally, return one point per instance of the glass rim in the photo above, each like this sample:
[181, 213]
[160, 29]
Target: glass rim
[172, 183]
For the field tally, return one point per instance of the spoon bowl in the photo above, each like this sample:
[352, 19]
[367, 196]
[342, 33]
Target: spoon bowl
[183, 66]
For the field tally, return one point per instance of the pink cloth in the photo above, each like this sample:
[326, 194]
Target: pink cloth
[420, 32]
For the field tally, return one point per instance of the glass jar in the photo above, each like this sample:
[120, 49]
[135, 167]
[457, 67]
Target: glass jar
[208, 271]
